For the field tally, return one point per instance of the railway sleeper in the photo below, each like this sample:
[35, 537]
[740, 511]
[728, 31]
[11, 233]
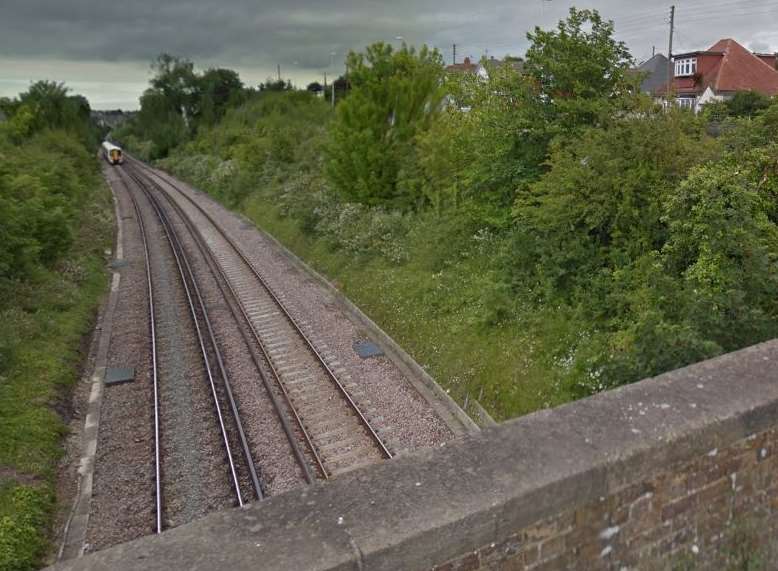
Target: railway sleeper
[308, 400]
[338, 447]
[299, 383]
[334, 433]
[270, 328]
[327, 423]
[347, 460]
[291, 369]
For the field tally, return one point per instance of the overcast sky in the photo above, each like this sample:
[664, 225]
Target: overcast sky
[103, 49]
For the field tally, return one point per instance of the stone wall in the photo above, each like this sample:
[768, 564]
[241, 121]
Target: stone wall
[674, 472]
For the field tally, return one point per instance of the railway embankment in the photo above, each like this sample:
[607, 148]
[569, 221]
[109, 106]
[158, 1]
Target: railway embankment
[674, 470]
[61, 212]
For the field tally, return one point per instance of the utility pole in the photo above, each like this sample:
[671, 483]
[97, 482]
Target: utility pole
[455, 53]
[670, 55]
[325, 80]
[333, 95]
[279, 72]
[653, 51]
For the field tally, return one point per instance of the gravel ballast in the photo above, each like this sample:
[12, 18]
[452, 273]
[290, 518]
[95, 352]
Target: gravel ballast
[195, 474]
[411, 421]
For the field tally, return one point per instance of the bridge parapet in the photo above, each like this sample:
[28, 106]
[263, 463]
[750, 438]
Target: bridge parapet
[683, 466]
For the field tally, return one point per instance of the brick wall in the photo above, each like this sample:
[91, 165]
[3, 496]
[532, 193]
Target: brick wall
[719, 511]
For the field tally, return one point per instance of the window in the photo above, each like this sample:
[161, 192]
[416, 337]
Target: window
[685, 66]
[686, 102]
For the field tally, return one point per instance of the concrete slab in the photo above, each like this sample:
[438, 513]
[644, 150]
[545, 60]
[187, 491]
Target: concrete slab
[367, 349]
[119, 375]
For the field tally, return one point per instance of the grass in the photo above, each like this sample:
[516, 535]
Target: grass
[437, 315]
[44, 321]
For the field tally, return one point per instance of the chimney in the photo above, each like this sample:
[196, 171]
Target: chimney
[467, 61]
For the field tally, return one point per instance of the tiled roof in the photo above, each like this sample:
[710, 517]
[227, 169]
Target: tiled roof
[740, 70]
[465, 67]
[656, 70]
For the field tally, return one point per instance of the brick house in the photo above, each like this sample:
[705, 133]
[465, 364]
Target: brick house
[466, 66]
[719, 72]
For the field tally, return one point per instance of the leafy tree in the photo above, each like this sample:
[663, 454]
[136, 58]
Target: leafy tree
[394, 96]
[217, 89]
[599, 208]
[484, 145]
[175, 79]
[579, 68]
[48, 105]
[178, 102]
[276, 85]
[747, 103]
[742, 104]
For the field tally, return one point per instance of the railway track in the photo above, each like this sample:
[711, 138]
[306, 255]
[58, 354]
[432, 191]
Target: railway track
[335, 431]
[244, 479]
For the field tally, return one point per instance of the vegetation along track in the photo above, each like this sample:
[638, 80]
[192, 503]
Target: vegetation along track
[336, 432]
[243, 476]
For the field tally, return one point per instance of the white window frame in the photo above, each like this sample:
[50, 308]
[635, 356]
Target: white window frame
[685, 67]
[686, 102]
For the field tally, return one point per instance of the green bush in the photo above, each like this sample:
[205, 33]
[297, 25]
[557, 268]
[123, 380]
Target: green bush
[40, 200]
[25, 510]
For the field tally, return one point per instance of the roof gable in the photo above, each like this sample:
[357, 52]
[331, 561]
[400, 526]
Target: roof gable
[656, 72]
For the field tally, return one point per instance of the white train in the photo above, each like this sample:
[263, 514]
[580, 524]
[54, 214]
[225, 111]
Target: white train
[112, 153]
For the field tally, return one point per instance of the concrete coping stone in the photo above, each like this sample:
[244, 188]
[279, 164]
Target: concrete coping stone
[427, 507]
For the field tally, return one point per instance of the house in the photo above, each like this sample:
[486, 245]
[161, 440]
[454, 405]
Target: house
[466, 66]
[719, 72]
[655, 72]
[482, 68]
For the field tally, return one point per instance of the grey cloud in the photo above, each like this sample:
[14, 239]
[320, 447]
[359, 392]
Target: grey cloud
[254, 36]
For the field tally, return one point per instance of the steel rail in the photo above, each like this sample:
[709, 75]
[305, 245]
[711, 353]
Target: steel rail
[155, 376]
[248, 457]
[230, 294]
[384, 450]
[203, 350]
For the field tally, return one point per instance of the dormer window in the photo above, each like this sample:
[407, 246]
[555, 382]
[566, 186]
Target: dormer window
[685, 67]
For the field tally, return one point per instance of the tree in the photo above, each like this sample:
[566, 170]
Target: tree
[393, 96]
[314, 87]
[276, 85]
[579, 68]
[216, 90]
[177, 103]
[747, 103]
[488, 142]
[599, 208]
[175, 79]
[48, 105]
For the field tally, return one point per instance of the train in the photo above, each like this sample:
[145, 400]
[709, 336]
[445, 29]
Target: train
[112, 153]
